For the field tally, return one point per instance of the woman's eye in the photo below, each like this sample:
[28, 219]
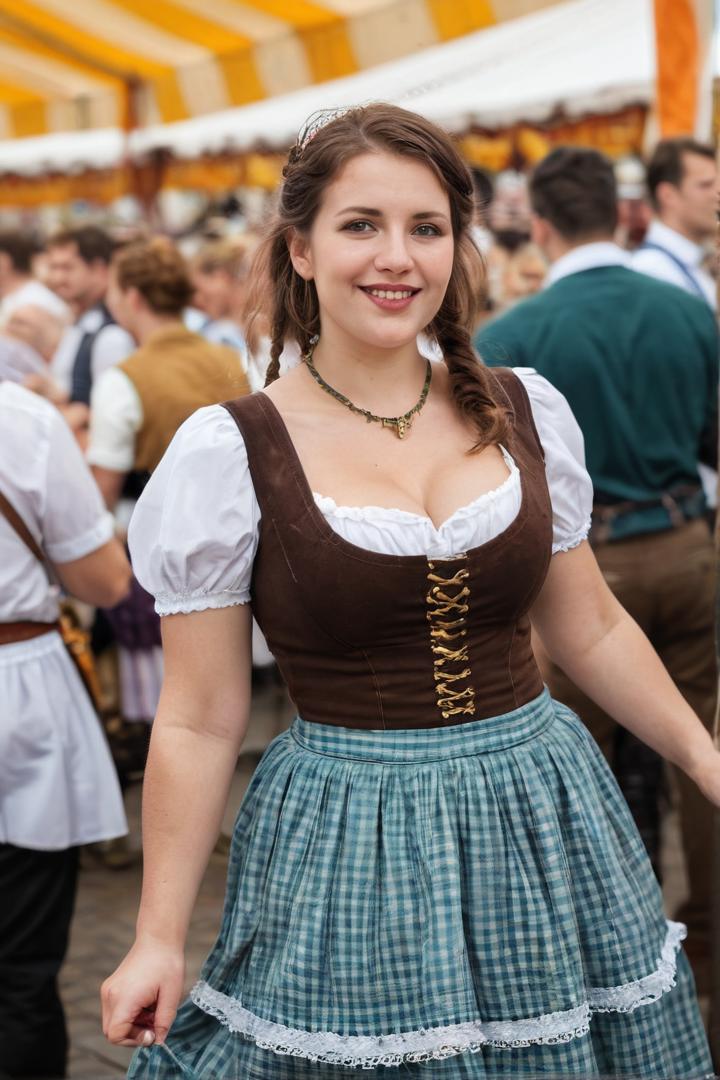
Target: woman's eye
[427, 230]
[358, 226]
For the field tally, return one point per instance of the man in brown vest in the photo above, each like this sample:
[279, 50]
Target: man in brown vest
[137, 406]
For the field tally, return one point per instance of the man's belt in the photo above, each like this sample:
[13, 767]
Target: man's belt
[682, 504]
[12, 632]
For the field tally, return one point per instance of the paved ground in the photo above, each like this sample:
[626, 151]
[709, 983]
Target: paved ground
[107, 904]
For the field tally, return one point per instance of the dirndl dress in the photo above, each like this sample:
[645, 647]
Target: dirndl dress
[466, 897]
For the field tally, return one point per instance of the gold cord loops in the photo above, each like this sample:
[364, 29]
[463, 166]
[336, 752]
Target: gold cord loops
[445, 641]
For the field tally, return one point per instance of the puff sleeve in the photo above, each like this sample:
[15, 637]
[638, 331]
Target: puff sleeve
[571, 491]
[194, 531]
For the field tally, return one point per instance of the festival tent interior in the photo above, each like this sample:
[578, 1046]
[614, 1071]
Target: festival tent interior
[103, 98]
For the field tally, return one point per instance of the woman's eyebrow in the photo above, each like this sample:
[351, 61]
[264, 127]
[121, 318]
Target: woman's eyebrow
[368, 211]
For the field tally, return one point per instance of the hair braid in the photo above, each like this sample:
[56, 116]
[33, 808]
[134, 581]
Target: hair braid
[473, 386]
[295, 311]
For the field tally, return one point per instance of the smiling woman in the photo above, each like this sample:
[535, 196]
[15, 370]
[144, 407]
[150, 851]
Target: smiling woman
[433, 869]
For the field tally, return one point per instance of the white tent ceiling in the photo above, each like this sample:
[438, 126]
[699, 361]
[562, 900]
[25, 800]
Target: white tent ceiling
[580, 56]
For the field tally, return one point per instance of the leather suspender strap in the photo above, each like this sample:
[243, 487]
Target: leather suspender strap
[75, 639]
[10, 633]
[14, 519]
[682, 267]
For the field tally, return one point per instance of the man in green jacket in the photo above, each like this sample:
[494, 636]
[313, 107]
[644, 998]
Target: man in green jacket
[637, 360]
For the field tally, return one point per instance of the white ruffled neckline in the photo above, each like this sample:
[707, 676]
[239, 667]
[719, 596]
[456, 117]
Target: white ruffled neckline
[331, 509]
[435, 1044]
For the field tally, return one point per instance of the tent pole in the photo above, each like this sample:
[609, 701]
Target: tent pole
[145, 178]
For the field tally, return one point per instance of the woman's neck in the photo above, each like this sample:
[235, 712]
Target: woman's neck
[385, 381]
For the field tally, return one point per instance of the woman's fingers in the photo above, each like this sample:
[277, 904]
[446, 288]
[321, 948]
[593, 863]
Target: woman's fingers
[144, 1038]
[130, 1033]
[165, 1009]
[127, 1018]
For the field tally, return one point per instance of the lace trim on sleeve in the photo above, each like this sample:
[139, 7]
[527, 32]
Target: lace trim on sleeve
[435, 1044]
[574, 540]
[183, 605]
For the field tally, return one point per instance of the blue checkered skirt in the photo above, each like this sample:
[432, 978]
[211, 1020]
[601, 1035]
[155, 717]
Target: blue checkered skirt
[458, 902]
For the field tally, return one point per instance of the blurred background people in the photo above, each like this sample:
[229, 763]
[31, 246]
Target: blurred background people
[42, 331]
[19, 361]
[637, 360]
[634, 211]
[18, 284]
[682, 180]
[219, 271]
[58, 787]
[78, 263]
[136, 408]
[138, 405]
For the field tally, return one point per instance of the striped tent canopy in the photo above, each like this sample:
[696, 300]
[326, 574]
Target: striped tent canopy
[80, 65]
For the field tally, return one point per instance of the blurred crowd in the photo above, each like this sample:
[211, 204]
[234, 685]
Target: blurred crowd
[56, 303]
[126, 337]
[93, 319]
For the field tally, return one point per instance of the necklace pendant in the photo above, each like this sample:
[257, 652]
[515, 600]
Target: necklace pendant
[402, 426]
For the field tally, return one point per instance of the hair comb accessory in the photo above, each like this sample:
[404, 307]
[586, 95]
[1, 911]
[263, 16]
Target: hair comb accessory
[317, 121]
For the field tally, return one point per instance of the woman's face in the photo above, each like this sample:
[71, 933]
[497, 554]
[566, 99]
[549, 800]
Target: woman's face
[380, 251]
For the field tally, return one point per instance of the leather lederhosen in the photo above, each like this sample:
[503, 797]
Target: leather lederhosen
[377, 641]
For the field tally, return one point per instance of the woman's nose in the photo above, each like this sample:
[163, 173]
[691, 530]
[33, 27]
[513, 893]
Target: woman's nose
[394, 253]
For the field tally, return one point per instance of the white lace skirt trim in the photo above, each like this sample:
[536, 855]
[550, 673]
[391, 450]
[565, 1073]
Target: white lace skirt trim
[434, 1044]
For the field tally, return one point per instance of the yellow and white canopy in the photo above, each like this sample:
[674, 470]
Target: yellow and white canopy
[75, 65]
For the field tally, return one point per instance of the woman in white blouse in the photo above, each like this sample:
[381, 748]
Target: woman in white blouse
[58, 787]
[434, 868]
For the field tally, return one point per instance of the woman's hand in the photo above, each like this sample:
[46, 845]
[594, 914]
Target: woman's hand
[140, 999]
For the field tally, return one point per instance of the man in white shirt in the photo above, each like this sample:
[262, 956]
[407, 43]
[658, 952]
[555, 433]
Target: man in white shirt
[682, 181]
[78, 266]
[18, 286]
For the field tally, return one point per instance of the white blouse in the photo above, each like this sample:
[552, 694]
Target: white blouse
[194, 532]
[58, 785]
[43, 474]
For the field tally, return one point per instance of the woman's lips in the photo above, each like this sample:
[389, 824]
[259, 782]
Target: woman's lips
[388, 298]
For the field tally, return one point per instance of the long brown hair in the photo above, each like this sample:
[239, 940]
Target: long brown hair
[322, 149]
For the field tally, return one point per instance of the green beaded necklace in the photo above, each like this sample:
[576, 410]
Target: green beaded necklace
[402, 424]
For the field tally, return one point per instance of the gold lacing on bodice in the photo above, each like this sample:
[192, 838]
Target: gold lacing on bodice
[448, 607]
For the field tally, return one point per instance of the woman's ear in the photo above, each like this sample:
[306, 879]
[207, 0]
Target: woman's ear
[299, 249]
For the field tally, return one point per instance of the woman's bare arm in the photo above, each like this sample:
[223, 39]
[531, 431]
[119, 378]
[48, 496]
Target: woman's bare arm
[201, 721]
[588, 634]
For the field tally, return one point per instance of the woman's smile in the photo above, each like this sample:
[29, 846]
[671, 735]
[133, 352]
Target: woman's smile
[390, 297]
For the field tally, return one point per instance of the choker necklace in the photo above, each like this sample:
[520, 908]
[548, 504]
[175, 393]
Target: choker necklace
[402, 424]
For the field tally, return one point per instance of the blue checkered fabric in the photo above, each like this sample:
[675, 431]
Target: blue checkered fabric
[399, 881]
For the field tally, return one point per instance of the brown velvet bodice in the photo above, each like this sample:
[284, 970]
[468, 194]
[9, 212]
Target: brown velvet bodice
[368, 640]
